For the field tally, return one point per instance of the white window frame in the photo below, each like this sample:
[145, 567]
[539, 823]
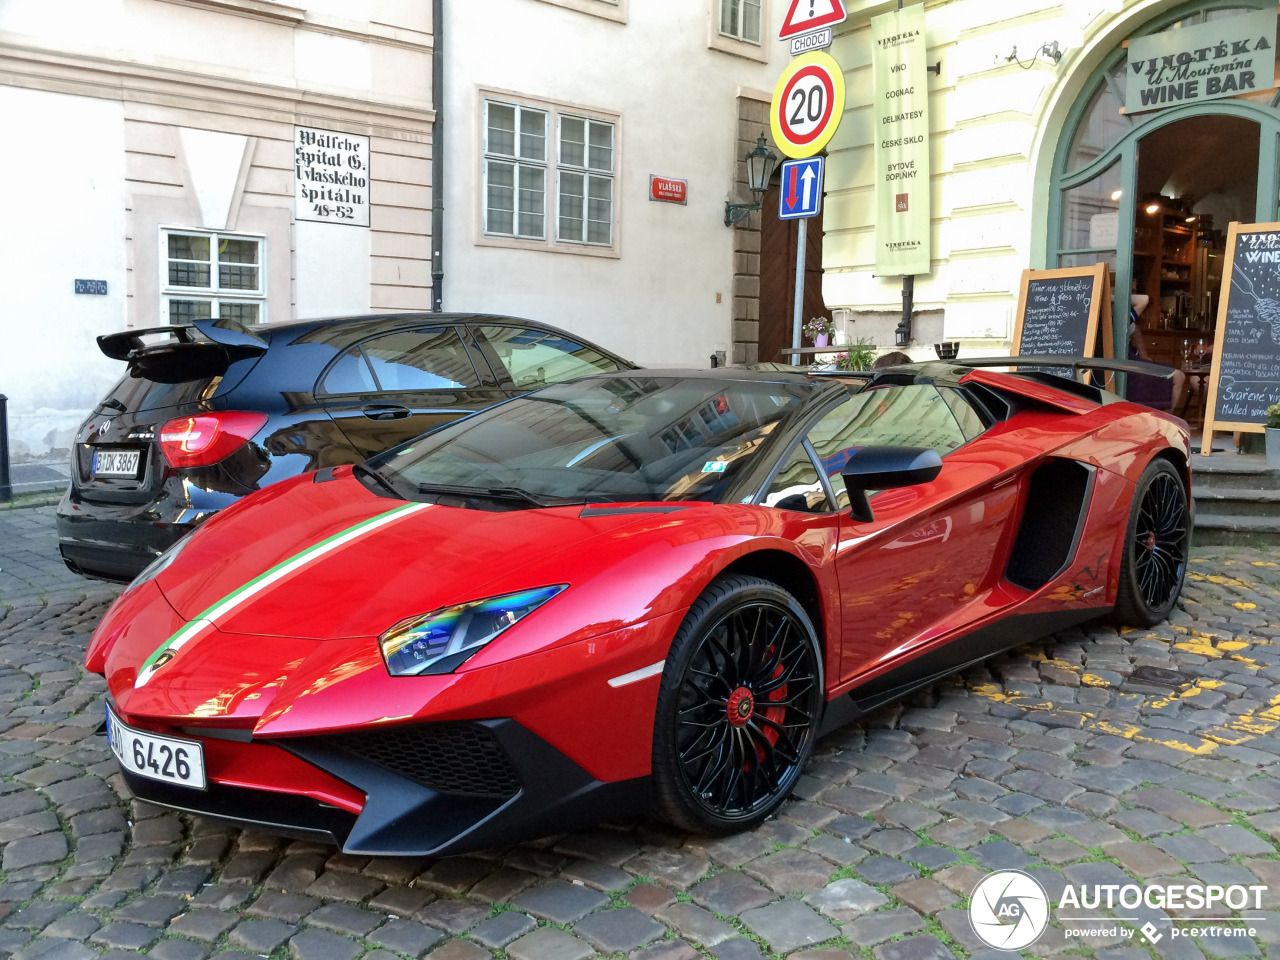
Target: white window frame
[553, 239]
[588, 174]
[519, 164]
[213, 294]
[757, 50]
[740, 36]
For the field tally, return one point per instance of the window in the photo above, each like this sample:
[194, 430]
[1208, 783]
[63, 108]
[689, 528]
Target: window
[522, 143]
[796, 485]
[585, 166]
[533, 358]
[740, 20]
[211, 275]
[908, 416]
[515, 148]
[971, 424]
[406, 361]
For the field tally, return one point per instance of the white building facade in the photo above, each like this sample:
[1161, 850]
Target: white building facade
[557, 114]
[172, 159]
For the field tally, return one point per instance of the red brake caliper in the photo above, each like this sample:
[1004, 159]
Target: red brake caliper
[742, 706]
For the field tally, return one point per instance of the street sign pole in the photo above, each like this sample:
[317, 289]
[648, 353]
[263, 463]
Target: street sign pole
[798, 305]
[800, 199]
[808, 103]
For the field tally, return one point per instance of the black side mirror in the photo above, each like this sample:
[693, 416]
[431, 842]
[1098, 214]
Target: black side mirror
[882, 468]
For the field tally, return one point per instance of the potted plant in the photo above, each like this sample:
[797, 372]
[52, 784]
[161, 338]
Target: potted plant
[820, 330]
[1273, 436]
[857, 356]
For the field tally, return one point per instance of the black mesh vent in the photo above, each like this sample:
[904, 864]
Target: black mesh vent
[1056, 501]
[459, 758]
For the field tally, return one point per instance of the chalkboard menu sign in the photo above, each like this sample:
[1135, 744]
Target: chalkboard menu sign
[1245, 378]
[1058, 313]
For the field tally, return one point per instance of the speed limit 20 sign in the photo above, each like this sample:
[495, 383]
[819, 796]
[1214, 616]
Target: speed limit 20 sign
[807, 105]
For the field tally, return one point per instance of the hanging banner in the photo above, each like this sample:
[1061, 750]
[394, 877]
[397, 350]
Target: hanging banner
[898, 60]
[1221, 58]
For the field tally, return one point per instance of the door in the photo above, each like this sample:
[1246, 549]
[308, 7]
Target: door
[778, 239]
[917, 569]
[391, 388]
[526, 358]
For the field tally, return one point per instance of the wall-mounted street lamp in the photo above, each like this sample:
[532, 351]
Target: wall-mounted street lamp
[760, 164]
[1050, 51]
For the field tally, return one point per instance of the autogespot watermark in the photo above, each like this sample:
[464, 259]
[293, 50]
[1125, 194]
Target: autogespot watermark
[1009, 910]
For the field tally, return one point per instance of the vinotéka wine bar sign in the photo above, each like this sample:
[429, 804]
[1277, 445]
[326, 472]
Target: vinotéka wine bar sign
[1222, 58]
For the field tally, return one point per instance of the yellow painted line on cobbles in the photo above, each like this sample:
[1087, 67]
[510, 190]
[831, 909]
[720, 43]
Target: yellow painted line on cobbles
[1209, 644]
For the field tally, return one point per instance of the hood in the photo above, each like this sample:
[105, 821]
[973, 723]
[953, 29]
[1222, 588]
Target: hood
[328, 561]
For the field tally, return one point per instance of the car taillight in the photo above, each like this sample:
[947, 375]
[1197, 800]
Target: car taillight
[203, 440]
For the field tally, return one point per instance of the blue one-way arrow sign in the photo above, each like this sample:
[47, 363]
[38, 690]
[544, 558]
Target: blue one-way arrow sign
[801, 189]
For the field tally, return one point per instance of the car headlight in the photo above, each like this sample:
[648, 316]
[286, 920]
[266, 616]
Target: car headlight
[441, 641]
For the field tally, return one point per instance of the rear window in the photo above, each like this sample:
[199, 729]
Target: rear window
[136, 394]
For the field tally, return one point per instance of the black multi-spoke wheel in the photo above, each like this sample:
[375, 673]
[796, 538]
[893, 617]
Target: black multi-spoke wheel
[1156, 541]
[738, 708]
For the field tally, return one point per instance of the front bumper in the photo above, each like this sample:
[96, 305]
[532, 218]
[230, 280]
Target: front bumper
[455, 788]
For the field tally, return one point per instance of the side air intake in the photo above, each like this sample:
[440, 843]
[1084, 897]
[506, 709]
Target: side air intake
[1057, 499]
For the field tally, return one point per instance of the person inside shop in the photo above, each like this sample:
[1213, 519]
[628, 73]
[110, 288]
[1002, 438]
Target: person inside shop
[1151, 391]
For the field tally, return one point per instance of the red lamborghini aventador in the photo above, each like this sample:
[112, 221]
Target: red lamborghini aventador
[640, 589]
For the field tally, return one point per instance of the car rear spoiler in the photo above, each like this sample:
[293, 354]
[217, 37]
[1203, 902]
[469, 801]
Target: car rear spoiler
[183, 356]
[1160, 370]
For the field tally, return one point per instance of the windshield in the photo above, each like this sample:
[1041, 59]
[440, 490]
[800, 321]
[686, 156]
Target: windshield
[609, 439]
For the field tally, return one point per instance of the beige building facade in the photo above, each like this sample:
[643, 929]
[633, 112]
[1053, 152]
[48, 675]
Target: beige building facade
[184, 158]
[1036, 163]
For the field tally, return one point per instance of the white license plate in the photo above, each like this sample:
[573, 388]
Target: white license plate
[116, 463]
[159, 758]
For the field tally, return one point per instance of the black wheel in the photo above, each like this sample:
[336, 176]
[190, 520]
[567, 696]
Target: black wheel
[738, 708]
[1155, 547]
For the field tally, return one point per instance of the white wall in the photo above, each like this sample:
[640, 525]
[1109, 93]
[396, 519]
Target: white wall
[678, 105]
[64, 219]
[331, 261]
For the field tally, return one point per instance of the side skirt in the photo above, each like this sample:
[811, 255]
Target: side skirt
[959, 654]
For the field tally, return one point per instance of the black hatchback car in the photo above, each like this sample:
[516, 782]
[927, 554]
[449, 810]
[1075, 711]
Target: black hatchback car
[211, 412]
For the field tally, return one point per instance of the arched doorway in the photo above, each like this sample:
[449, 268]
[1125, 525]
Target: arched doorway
[1152, 193]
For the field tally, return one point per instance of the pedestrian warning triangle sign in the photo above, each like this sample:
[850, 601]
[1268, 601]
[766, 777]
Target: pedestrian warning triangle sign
[806, 15]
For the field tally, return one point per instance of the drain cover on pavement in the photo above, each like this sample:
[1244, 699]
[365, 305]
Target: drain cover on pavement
[1158, 676]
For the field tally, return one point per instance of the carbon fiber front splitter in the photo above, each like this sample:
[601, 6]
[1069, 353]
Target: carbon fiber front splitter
[405, 818]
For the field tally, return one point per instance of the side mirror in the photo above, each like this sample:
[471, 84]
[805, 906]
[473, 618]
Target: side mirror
[883, 468]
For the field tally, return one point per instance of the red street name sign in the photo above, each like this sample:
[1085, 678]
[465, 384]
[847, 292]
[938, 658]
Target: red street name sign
[668, 189]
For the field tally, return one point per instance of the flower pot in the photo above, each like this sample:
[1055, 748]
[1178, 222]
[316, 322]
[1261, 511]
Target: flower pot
[1273, 447]
[821, 340]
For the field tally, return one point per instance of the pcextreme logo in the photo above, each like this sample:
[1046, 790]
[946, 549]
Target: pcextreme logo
[1009, 910]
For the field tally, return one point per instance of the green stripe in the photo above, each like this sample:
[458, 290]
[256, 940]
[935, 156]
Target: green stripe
[298, 558]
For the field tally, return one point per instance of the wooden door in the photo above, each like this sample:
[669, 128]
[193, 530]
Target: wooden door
[778, 240]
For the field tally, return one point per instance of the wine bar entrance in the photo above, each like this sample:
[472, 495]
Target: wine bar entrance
[1194, 177]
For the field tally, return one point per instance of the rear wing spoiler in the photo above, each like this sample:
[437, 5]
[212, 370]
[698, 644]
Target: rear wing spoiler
[229, 333]
[183, 355]
[1160, 370]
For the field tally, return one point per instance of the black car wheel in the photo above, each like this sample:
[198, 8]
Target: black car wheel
[1156, 542]
[738, 708]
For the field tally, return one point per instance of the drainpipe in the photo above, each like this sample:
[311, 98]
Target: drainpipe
[6, 488]
[437, 157]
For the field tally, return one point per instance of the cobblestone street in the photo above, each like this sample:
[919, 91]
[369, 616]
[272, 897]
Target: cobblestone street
[1078, 760]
